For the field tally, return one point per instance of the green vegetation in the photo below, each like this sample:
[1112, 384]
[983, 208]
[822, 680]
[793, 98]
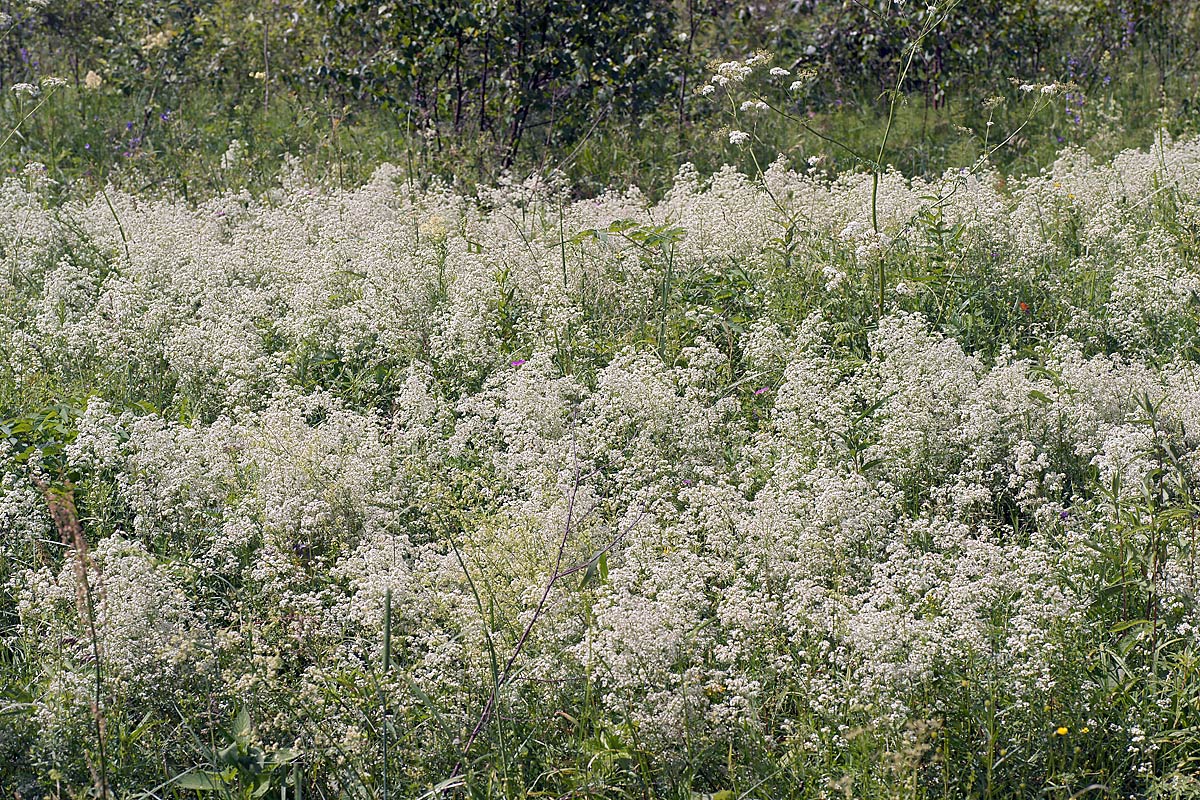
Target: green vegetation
[603, 91]
[406, 400]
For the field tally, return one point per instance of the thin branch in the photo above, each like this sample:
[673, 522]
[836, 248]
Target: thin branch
[557, 575]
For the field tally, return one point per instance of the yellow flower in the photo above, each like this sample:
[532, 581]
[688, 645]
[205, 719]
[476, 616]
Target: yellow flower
[1061, 732]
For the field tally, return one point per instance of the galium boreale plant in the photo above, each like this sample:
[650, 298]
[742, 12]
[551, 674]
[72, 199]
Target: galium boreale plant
[1146, 660]
[327, 458]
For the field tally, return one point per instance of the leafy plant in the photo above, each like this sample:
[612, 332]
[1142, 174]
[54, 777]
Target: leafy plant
[240, 768]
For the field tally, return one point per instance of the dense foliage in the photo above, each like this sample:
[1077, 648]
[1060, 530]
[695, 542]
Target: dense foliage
[157, 89]
[502, 70]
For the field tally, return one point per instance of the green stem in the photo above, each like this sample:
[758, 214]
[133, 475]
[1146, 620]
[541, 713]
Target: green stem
[32, 111]
[117, 219]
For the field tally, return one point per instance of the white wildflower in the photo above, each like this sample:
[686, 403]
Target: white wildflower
[734, 71]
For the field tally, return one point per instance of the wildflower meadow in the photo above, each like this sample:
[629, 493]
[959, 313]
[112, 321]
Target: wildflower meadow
[812, 475]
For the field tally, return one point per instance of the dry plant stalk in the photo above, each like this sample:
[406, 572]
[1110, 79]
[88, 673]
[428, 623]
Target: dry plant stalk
[61, 503]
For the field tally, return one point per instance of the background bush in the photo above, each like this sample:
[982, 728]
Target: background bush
[603, 90]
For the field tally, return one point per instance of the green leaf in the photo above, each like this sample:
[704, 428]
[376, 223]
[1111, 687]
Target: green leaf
[201, 782]
[1034, 394]
[241, 724]
[1133, 623]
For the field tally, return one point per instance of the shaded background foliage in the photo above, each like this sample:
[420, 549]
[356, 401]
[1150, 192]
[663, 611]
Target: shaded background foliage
[499, 71]
[604, 90]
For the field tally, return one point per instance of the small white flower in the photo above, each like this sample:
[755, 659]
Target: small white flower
[738, 137]
[27, 89]
[707, 88]
[796, 86]
[754, 105]
[53, 83]
[779, 72]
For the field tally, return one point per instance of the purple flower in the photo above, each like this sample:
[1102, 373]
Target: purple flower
[165, 116]
[762, 390]
[518, 362]
[1064, 515]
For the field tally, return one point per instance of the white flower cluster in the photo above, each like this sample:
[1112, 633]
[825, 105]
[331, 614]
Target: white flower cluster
[729, 73]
